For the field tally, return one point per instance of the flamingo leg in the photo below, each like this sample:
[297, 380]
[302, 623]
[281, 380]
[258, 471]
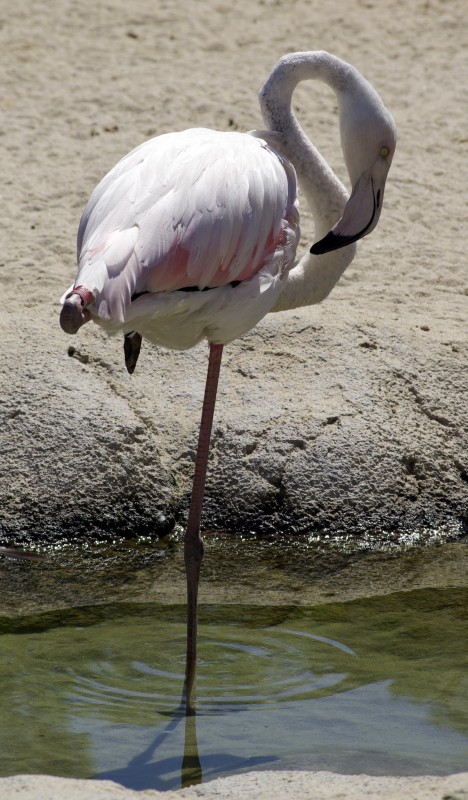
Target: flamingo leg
[193, 543]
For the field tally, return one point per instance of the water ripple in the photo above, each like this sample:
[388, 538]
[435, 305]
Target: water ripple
[240, 667]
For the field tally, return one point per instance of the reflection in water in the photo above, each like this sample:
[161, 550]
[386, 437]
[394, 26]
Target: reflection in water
[96, 691]
[151, 770]
[191, 764]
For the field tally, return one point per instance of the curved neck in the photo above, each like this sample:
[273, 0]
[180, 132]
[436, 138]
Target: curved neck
[313, 278]
[325, 194]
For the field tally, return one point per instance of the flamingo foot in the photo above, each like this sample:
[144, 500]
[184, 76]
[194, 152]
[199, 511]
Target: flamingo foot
[73, 314]
[132, 345]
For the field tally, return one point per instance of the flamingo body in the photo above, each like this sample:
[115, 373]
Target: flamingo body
[195, 210]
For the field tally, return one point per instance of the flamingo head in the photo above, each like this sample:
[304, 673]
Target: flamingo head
[368, 138]
[74, 313]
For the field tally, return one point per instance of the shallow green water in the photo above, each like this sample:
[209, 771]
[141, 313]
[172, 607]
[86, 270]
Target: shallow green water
[376, 685]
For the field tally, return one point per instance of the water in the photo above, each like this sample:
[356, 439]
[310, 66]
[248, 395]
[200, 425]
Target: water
[375, 685]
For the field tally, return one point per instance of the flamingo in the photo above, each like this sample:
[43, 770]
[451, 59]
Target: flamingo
[193, 235]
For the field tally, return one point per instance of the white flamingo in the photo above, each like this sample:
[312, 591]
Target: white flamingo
[193, 236]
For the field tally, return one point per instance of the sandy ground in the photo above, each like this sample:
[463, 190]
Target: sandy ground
[253, 786]
[82, 84]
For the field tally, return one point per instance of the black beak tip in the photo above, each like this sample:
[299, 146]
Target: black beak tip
[329, 243]
[316, 249]
[325, 245]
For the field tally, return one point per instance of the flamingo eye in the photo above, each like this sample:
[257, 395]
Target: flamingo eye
[385, 151]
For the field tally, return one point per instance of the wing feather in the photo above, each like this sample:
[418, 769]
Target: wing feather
[196, 208]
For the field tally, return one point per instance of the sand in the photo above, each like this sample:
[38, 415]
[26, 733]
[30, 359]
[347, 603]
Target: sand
[253, 786]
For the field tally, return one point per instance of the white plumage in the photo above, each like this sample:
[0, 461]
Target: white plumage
[218, 213]
[198, 209]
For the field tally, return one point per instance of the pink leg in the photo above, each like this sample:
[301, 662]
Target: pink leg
[193, 549]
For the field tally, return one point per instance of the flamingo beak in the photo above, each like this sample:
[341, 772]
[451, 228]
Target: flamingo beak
[360, 216]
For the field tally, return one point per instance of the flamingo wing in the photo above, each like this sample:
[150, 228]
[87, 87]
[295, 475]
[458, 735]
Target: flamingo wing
[198, 208]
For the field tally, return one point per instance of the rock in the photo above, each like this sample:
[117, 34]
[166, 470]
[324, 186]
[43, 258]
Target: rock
[313, 432]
